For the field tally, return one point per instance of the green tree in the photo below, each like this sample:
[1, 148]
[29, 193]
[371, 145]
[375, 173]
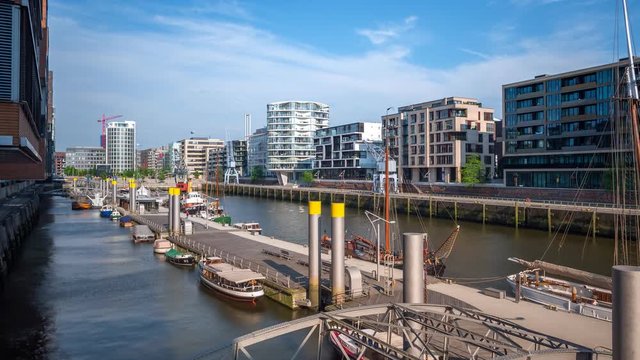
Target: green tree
[257, 173]
[161, 175]
[472, 171]
[307, 177]
[70, 170]
[196, 174]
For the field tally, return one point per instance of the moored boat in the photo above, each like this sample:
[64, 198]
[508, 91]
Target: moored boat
[115, 215]
[106, 210]
[126, 221]
[237, 283]
[345, 345]
[161, 246]
[252, 228]
[179, 258]
[142, 233]
[80, 205]
[192, 199]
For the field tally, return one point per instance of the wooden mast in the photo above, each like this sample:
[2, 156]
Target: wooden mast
[387, 228]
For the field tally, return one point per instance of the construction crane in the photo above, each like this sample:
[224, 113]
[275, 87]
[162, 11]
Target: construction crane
[103, 136]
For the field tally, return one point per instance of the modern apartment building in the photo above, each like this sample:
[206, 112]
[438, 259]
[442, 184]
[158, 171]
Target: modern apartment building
[85, 157]
[257, 151]
[557, 128]
[60, 162]
[24, 75]
[153, 158]
[433, 139]
[343, 152]
[194, 153]
[121, 146]
[291, 126]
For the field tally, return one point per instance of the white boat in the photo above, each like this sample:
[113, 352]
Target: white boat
[563, 295]
[192, 199]
[252, 228]
[345, 345]
[237, 283]
[115, 215]
[161, 246]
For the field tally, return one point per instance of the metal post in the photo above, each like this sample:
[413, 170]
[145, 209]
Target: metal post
[413, 289]
[626, 312]
[171, 210]
[337, 252]
[315, 210]
[176, 210]
[132, 197]
[114, 192]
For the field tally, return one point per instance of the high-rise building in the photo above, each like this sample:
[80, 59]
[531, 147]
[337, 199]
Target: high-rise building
[291, 126]
[557, 129]
[121, 146]
[24, 90]
[194, 153]
[60, 162]
[257, 151]
[342, 152]
[85, 157]
[432, 140]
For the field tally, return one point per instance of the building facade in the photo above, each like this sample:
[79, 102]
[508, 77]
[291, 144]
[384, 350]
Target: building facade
[291, 127]
[194, 153]
[85, 157]
[59, 161]
[557, 128]
[121, 146]
[153, 158]
[342, 152]
[24, 75]
[432, 140]
[217, 159]
[257, 151]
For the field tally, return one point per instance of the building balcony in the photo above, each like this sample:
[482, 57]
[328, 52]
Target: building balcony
[22, 149]
[583, 86]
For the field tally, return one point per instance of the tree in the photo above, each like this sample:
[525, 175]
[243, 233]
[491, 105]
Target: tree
[257, 173]
[472, 170]
[70, 170]
[307, 177]
[161, 175]
[196, 174]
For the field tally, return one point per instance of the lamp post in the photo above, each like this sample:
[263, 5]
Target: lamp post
[373, 218]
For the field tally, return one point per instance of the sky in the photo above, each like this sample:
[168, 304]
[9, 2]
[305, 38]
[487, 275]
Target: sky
[187, 67]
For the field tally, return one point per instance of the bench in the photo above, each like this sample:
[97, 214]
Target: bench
[495, 293]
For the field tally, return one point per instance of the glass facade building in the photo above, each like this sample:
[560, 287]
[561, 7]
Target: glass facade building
[558, 128]
[121, 146]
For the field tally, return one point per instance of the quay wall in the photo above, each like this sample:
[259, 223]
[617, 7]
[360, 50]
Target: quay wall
[581, 218]
[18, 216]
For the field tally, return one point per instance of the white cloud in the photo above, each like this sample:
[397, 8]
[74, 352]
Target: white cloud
[203, 76]
[384, 33]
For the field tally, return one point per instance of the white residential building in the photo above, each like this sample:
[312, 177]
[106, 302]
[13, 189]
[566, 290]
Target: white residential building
[121, 146]
[291, 127]
[343, 151]
[194, 153]
[84, 157]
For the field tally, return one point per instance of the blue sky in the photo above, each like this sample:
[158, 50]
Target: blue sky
[182, 66]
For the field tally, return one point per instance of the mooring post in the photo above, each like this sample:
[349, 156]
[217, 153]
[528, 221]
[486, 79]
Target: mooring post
[516, 214]
[430, 211]
[626, 312]
[114, 192]
[358, 202]
[176, 211]
[549, 218]
[484, 213]
[337, 253]
[132, 197]
[408, 206]
[455, 211]
[315, 210]
[413, 288]
[171, 210]
[593, 225]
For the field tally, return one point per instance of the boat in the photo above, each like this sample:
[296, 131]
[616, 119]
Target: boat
[126, 221]
[142, 233]
[80, 205]
[179, 258]
[345, 345]
[106, 210]
[161, 246]
[253, 228]
[237, 283]
[192, 199]
[115, 215]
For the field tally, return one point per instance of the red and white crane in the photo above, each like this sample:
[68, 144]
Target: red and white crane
[103, 136]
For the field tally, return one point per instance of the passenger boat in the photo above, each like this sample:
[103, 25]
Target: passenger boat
[237, 283]
[142, 233]
[176, 257]
[106, 210]
[572, 296]
[192, 199]
[115, 215]
[161, 246]
[80, 205]
[345, 345]
[252, 228]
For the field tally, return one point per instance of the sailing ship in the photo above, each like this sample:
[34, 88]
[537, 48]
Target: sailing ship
[591, 294]
[237, 283]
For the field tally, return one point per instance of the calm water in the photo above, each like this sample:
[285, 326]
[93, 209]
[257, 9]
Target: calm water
[83, 290]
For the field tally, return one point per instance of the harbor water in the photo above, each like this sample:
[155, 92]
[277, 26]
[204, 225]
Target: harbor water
[83, 290]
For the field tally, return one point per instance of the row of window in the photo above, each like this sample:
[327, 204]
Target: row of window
[594, 141]
[555, 85]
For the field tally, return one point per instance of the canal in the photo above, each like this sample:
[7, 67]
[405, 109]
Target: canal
[83, 290]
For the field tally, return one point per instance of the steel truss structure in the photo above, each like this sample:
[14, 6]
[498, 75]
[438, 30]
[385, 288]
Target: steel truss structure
[422, 331]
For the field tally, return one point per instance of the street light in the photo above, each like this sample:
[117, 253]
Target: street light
[373, 218]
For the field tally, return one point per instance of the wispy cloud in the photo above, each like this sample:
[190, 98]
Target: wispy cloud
[476, 53]
[389, 31]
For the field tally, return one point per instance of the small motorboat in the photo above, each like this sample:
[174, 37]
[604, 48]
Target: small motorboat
[126, 221]
[345, 345]
[80, 205]
[106, 210]
[179, 258]
[115, 215]
[161, 246]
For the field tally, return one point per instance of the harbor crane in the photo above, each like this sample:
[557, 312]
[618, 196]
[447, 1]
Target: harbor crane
[379, 175]
[231, 174]
[103, 136]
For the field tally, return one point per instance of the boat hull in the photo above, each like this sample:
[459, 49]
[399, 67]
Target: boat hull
[80, 206]
[343, 343]
[187, 261]
[105, 213]
[236, 295]
[161, 250]
[560, 302]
